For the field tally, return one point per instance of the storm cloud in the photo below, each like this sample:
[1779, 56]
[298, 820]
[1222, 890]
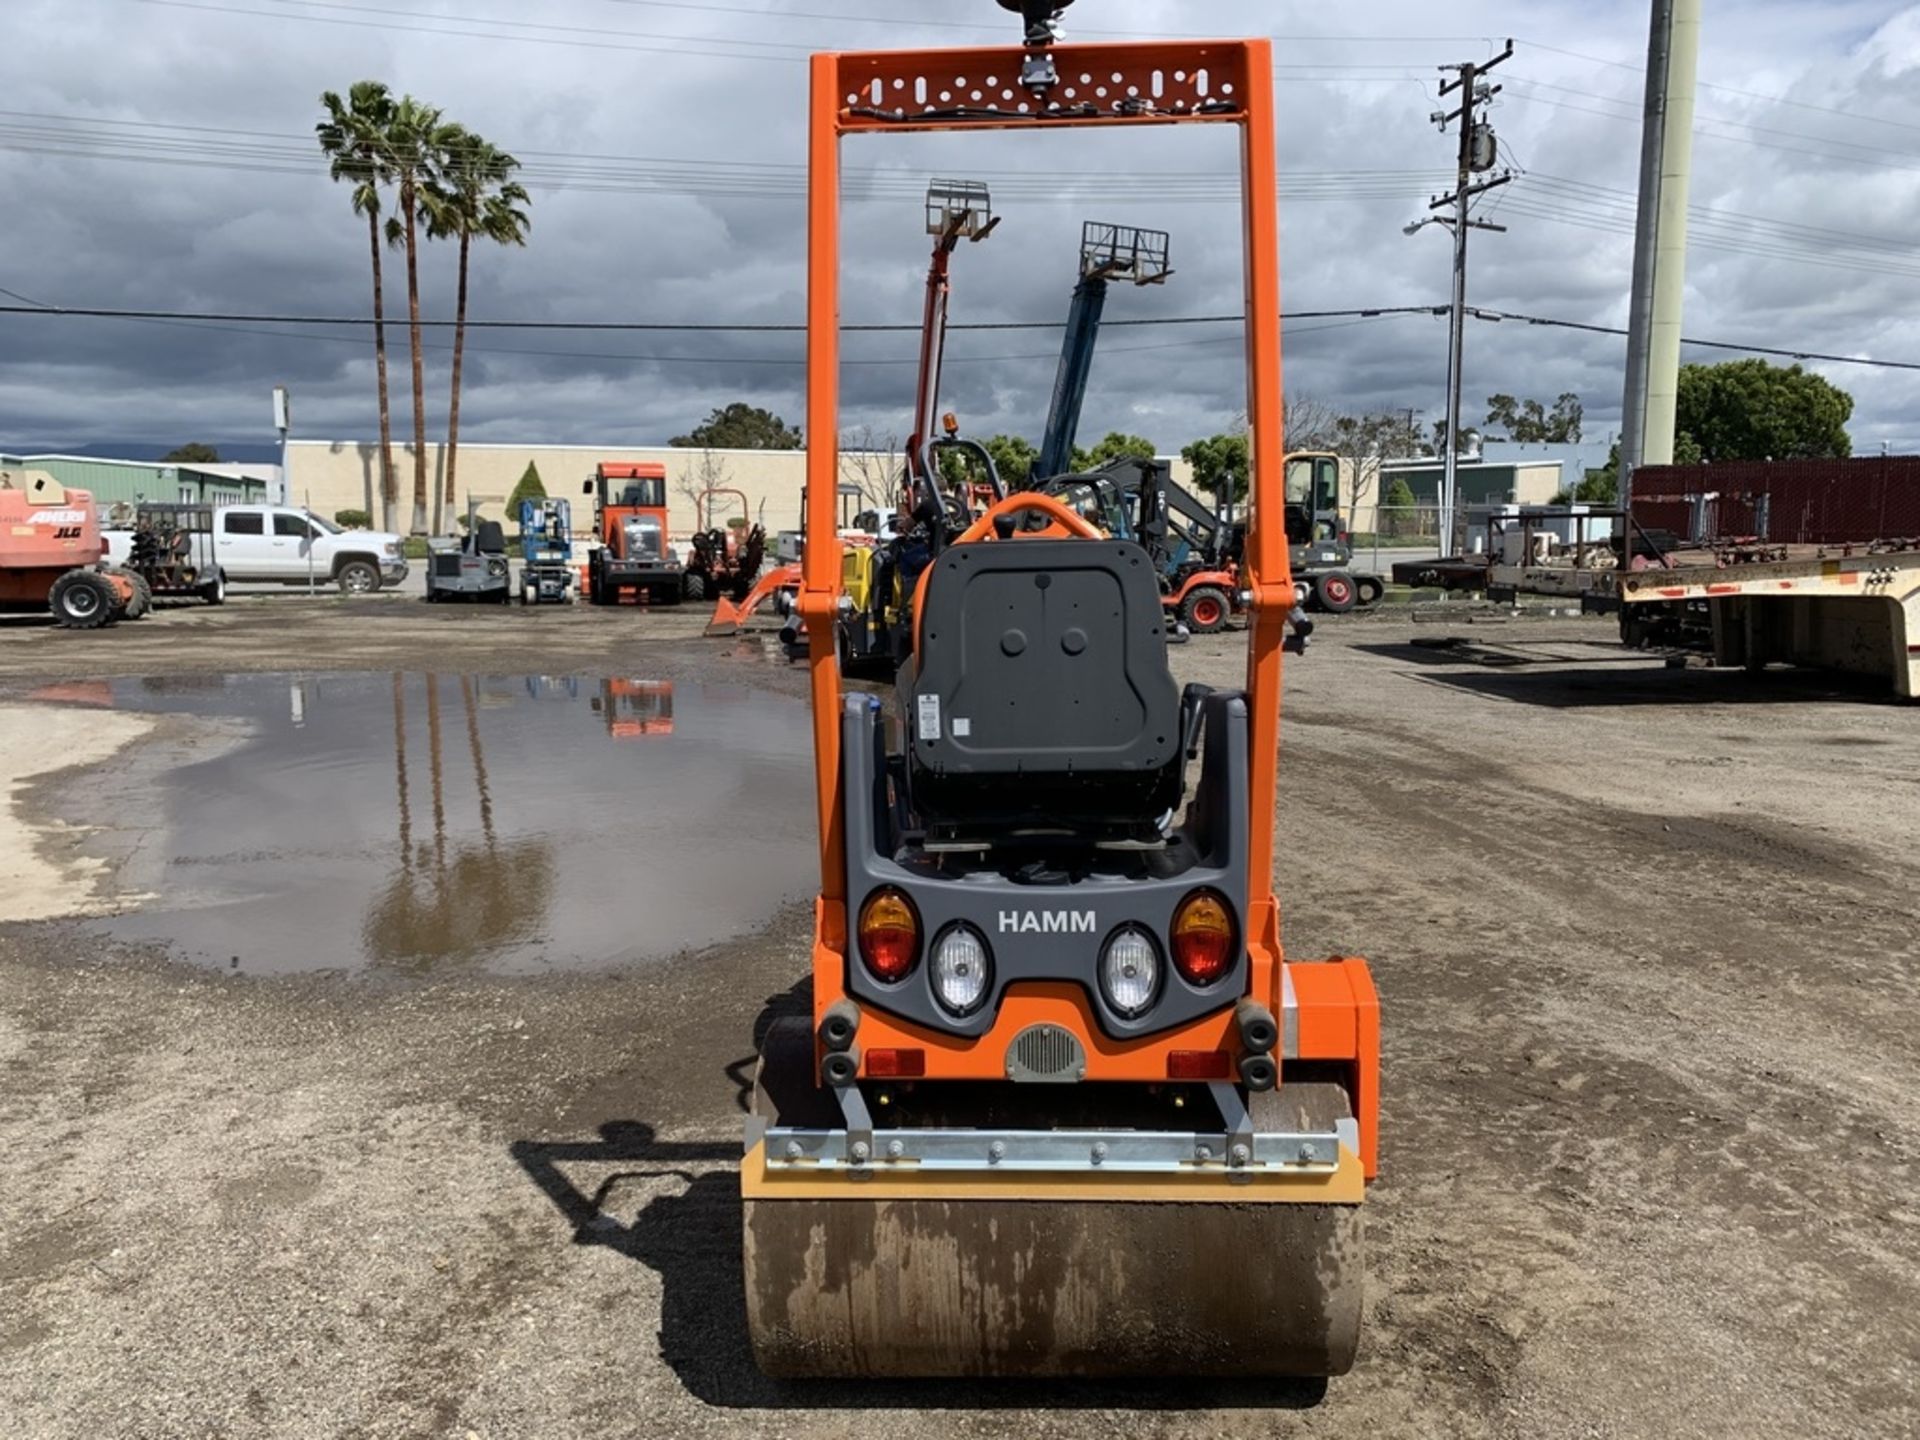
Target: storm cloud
[158, 154]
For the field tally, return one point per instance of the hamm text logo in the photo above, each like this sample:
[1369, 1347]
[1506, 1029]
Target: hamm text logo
[1046, 922]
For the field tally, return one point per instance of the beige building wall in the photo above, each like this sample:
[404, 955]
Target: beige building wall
[331, 475]
[1536, 484]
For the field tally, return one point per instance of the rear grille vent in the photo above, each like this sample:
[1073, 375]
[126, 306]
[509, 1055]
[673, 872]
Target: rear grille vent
[1046, 1054]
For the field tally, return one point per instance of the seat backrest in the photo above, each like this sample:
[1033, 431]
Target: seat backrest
[1043, 657]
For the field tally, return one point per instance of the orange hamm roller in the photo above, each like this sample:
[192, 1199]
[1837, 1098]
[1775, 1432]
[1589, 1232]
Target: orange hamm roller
[1062, 1104]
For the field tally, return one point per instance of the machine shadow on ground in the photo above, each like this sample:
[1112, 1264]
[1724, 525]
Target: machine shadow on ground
[1498, 675]
[692, 1239]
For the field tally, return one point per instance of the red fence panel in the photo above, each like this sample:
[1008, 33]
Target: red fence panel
[1787, 502]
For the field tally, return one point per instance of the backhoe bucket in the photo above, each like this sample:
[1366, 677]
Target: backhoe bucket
[729, 616]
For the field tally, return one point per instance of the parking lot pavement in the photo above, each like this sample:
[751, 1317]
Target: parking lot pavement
[1645, 943]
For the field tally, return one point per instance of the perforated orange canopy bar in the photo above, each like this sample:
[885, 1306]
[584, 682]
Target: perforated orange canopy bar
[1189, 83]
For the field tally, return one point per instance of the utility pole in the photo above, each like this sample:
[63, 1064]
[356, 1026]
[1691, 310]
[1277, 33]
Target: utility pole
[283, 422]
[1479, 148]
[1660, 242]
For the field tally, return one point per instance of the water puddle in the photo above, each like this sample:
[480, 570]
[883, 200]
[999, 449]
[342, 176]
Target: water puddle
[427, 825]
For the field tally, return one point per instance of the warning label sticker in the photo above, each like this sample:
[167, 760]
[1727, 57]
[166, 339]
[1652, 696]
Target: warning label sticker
[929, 718]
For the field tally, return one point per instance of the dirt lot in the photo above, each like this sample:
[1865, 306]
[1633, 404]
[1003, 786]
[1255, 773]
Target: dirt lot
[1646, 941]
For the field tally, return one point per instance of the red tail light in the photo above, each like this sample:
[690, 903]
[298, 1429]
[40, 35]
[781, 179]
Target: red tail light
[889, 935]
[1202, 938]
[899, 1064]
[1197, 1065]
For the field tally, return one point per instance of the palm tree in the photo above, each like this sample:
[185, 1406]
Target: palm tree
[474, 196]
[415, 144]
[353, 137]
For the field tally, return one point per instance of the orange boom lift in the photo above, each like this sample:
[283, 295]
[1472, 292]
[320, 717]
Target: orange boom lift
[1063, 1105]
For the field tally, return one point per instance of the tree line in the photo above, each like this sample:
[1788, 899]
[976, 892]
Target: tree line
[416, 176]
[1736, 410]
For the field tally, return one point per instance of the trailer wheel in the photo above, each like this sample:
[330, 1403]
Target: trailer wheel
[1371, 590]
[1335, 592]
[1205, 609]
[214, 592]
[83, 600]
[696, 588]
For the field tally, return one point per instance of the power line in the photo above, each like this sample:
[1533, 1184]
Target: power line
[1848, 115]
[1894, 162]
[603, 38]
[897, 22]
[1872, 150]
[1356, 314]
[1481, 313]
[693, 327]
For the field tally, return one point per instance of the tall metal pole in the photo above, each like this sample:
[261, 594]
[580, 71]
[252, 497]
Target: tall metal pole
[283, 422]
[1670, 249]
[1633, 404]
[1457, 313]
[1660, 242]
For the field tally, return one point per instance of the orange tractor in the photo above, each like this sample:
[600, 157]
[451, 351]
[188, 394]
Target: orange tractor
[50, 554]
[635, 709]
[1062, 1103]
[633, 559]
[725, 558]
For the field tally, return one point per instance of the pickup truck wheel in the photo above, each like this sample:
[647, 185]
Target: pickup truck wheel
[358, 577]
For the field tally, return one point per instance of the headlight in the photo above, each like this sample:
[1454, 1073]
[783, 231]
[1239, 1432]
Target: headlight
[496, 568]
[392, 547]
[961, 970]
[1130, 971]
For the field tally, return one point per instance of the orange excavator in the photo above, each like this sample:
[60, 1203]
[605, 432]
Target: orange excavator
[1062, 1103]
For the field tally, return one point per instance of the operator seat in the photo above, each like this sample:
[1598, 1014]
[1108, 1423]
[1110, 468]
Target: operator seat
[1040, 698]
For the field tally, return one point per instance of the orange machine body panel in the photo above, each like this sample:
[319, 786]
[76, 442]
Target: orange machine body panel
[1226, 82]
[41, 542]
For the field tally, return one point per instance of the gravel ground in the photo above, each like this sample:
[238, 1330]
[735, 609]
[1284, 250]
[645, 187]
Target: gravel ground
[1645, 939]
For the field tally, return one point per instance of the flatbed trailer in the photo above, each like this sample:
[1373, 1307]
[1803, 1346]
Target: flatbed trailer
[1857, 611]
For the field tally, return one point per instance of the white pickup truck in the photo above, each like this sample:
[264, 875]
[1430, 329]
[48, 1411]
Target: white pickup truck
[280, 544]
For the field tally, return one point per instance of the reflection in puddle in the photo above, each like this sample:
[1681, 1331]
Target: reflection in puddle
[416, 823]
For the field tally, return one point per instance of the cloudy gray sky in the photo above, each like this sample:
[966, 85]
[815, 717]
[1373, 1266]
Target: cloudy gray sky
[157, 154]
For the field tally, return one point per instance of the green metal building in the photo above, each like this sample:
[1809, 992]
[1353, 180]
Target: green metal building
[1481, 482]
[111, 481]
